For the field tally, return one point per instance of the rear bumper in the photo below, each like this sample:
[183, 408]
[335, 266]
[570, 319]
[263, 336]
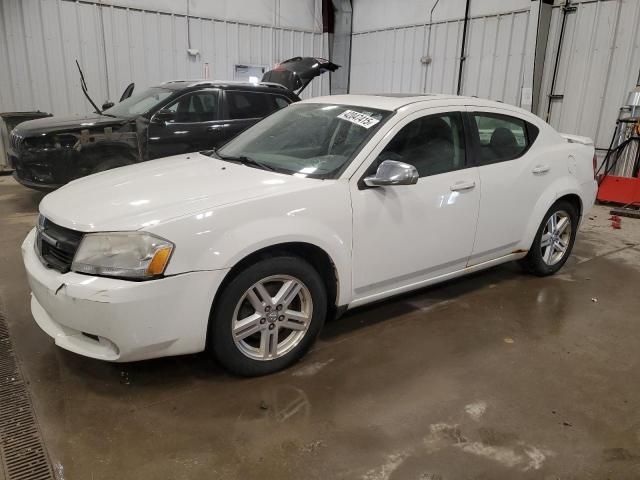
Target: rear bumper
[119, 320]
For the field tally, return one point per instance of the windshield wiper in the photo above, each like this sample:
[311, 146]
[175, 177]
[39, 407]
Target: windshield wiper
[245, 161]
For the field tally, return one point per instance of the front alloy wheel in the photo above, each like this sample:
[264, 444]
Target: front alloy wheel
[267, 316]
[272, 317]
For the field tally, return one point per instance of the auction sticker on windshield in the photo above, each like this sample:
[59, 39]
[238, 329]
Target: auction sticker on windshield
[358, 118]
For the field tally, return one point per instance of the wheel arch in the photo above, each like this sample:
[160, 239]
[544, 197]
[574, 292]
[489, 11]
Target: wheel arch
[562, 190]
[313, 254]
[575, 200]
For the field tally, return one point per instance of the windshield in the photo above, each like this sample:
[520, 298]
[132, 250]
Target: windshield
[139, 103]
[315, 140]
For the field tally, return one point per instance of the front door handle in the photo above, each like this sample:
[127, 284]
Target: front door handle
[539, 169]
[456, 187]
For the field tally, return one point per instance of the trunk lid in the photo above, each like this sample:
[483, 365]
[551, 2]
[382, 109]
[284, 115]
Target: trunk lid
[296, 73]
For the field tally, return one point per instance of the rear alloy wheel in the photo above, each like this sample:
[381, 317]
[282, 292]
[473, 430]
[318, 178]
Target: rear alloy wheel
[268, 316]
[554, 240]
[556, 237]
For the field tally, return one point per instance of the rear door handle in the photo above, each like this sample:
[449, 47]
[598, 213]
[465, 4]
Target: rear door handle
[538, 169]
[217, 127]
[456, 187]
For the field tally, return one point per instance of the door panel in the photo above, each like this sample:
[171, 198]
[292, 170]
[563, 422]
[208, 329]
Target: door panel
[196, 126]
[510, 186]
[411, 233]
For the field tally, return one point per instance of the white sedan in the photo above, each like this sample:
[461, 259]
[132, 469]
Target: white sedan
[326, 205]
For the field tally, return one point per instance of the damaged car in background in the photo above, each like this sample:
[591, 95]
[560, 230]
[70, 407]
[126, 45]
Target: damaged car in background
[172, 118]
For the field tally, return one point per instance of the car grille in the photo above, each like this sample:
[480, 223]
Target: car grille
[16, 142]
[56, 245]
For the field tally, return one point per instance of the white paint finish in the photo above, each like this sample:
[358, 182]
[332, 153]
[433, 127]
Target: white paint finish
[40, 39]
[145, 194]
[216, 213]
[599, 64]
[509, 189]
[406, 225]
[140, 318]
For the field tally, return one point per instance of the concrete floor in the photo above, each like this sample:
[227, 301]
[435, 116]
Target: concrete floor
[496, 376]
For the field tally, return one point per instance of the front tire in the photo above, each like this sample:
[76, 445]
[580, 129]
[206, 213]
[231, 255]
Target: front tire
[268, 316]
[554, 240]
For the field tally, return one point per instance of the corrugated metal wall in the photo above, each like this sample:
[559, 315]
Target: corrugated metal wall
[389, 60]
[40, 39]
[599, 64]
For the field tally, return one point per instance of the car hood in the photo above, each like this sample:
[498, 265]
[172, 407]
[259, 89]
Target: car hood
[146, 194]
[72, 122]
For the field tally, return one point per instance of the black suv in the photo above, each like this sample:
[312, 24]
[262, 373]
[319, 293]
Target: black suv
[170, 119]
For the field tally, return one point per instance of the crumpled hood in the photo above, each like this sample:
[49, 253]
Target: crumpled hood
[71, 122]
[142, 195]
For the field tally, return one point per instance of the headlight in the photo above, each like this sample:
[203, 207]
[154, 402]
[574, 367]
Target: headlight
[135, 255]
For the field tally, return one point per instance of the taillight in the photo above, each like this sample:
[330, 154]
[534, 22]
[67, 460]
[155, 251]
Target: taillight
[595, 166]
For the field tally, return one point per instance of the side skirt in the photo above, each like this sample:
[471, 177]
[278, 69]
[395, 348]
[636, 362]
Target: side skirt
[432, 281]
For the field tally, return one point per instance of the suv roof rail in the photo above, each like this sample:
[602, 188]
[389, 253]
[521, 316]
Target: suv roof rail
[274, 85]
[193, 83]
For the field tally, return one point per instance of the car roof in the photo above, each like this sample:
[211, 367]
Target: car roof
[395, 101]
[184, 84]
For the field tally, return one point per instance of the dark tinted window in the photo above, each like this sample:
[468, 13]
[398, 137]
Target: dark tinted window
[195, 107]
[433, 144]
[281, 102]
[502, 137]
[250, 104]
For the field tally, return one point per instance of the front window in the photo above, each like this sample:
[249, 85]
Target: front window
[139, 103]
[315, 140]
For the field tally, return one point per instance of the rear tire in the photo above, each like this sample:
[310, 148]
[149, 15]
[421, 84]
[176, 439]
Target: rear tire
[554, 240]
[268, 316]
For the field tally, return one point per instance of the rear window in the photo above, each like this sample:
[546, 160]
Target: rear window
[502, 137]
[242, 105]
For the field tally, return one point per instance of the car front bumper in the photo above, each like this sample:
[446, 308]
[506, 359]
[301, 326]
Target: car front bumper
[120, 320]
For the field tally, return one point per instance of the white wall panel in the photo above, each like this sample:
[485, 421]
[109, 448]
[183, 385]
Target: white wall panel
[40, 40]
[599, 64]
[388, 60]
[381, 14]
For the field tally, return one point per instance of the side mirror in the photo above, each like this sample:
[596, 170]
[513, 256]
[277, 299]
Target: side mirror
[163, 117]
[392, 172]
[106, 105]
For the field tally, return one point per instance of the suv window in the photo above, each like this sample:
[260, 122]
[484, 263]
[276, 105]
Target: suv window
[241, 105]
[433, 144]
[281, 102]
[502, 137]
[194, 107]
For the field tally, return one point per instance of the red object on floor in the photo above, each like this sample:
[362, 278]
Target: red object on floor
[624, 190]
[616, 222]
